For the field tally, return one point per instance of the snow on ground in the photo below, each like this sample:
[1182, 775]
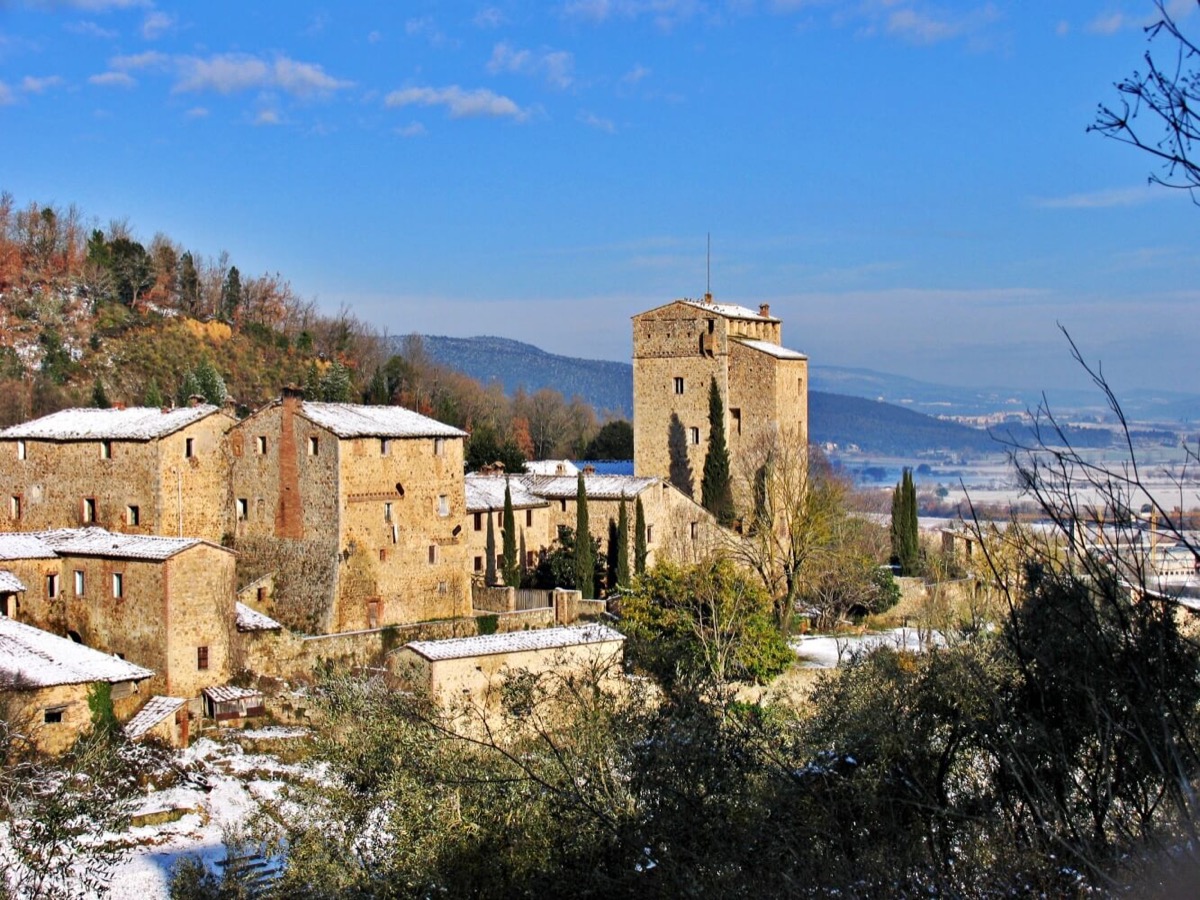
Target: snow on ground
[830, 651]
[238, 782]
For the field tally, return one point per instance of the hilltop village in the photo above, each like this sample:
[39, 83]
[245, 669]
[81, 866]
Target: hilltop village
[189, 559]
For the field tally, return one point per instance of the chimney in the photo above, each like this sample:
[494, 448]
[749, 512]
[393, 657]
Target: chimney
[118, 406]
[589, 470]
[195, 400]
[292, 395]
[764, 310]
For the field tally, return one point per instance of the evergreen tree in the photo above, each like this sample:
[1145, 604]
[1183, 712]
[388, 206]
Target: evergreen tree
[623, 547]
[231, 294]
[639, 538]
[312, 382]
[512, 569]
[610, 557]
[716, 489]
[189, 284]
[188, 388]
[212, 385]
[99, 397]
[489, 549]
[906, 552]
[585, 563]
[335, 386]
[153, 396]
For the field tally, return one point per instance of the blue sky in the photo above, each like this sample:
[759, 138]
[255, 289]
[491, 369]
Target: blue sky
[909, 184]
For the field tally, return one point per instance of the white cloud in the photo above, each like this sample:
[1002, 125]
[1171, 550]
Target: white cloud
[374, 37]
[1062, 28]
[113, 79]
[921, 26]
[557, 66]
[634, 75]
[228, 73]
[6, 95]
[1110, 23]
[151, 59]
[665, 13]
[90, 29]
[594, 121]
[427, 28]
[197, 112]
[156, 24]
[32, 85]
[1113, 197]
[412, 129]
[95, 6]
[461, 104]
[488, 17]
[268, 117]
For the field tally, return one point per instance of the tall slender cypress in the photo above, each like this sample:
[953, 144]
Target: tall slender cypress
[511, 569]
[489, 548]
[639, 537]
[716, 490]
[906, 552]
[623, 547]
[585, 564]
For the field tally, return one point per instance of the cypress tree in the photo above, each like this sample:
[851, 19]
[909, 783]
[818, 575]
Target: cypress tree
[231, 294]
[610, 558]
[623, 547]
[490, 550]
[639, 537]
[511, 568]
[585, 565]
[153, 396]
[905, 540]
[716, 490]
[99, 396]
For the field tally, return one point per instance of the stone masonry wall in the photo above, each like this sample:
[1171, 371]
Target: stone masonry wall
[200, 612]
[533, 531]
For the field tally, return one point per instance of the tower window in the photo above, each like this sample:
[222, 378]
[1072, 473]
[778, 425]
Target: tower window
[260, 445]
[133, 515]
[433, 554]
[736, 415]
[529, 518]
[679, 385]
[695, 435]
[243, 509]
[314, 446]
[443, 505]
[118, 585]
[89, 510]
[478, 523]
[14, 506]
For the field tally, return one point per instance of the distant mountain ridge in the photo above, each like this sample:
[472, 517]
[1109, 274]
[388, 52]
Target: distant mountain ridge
[873, 426]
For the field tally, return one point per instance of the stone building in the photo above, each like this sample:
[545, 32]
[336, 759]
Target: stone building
[531, 516]
[45, 681]
[678, 349]
[357, 511]
[137, 470]
[167, 604]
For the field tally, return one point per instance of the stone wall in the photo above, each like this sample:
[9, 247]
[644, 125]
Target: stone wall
[534, 534]
[25, 710]
[200, 598]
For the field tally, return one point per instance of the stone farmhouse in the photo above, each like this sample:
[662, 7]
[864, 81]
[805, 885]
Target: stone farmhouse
[359, 511]
[531, 516]
[138, 470]
[45, 681]
[678, 349]
[167, 604]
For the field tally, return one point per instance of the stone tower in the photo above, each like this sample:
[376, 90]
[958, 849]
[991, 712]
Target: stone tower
[677, 349]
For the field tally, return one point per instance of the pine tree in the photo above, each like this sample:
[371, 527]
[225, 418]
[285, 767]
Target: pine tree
[716, 490]
[623, 547]
[511, 567]
[188, 388]
[99, 396]
[905, 536]
[189, 284]
[335, 386]
[212, 385]
[610, 556]
[639, 538]
[489, 548]
[153, 396]
[231, 294]
[585, 564]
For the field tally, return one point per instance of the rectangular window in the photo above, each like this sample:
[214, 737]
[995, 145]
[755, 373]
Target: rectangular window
[383, 554]
[395, 535]
[562, 505]
[243, 509]
[695, 435]
[478, 525]
[118, 585]
[694, 530]
[439, 446]
[79, 582]
[21, 450]
[649, 534]
[387, 511]
[372, 613]
[106, 449]
[433, 554]
[133, 515]
[443, 505]
[385, 446]
[443, 587]
[201, 658]
[314, 446]
[51, 586]
[529, 561]
[679, 385]
[89, 510]
[261, 595]
[260, 445]
[529, 518]
[736, 415]
[54, 715]
[14, 507]
[479, 564]
[189, 448]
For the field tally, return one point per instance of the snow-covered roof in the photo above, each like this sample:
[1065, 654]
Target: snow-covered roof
[252, 620]
[598, 487]
[227, 693]
[771, 349]
[551, 467]
[729, 310]
[515, 642]
[32, 658]
[99, 542]
[348, 420]
[137, 423]
[486, 492]
[155, 710]
[24, 546]
[10, 583]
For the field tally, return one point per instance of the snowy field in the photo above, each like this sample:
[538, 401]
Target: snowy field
[830, 651]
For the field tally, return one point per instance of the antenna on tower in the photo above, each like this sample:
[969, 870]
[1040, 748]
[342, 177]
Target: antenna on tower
[708, 267]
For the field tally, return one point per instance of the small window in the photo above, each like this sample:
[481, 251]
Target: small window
[479, 564]
[387, 511]
[736, 415]
[679, 385]
[79, 582]
[443, 587]
[562, 505]
[260, 445]
[385, 446]
[51, 586]
[118, 585]
[89, 510]
[433, 554]
[443, 505]
[189, 448]
[106, 449]
[14, 507]
[649, 534]
[529, 561]
[800, 385]
[695, 435]
[201, 658]
[478, 523]
[383, 554]
[529, 518]
[133, 515]
[261, 595]
[439, 446]
[694, 529]
[22, 450]
[314, 446]
[243, 509]
[395, 535]
[54, 715]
